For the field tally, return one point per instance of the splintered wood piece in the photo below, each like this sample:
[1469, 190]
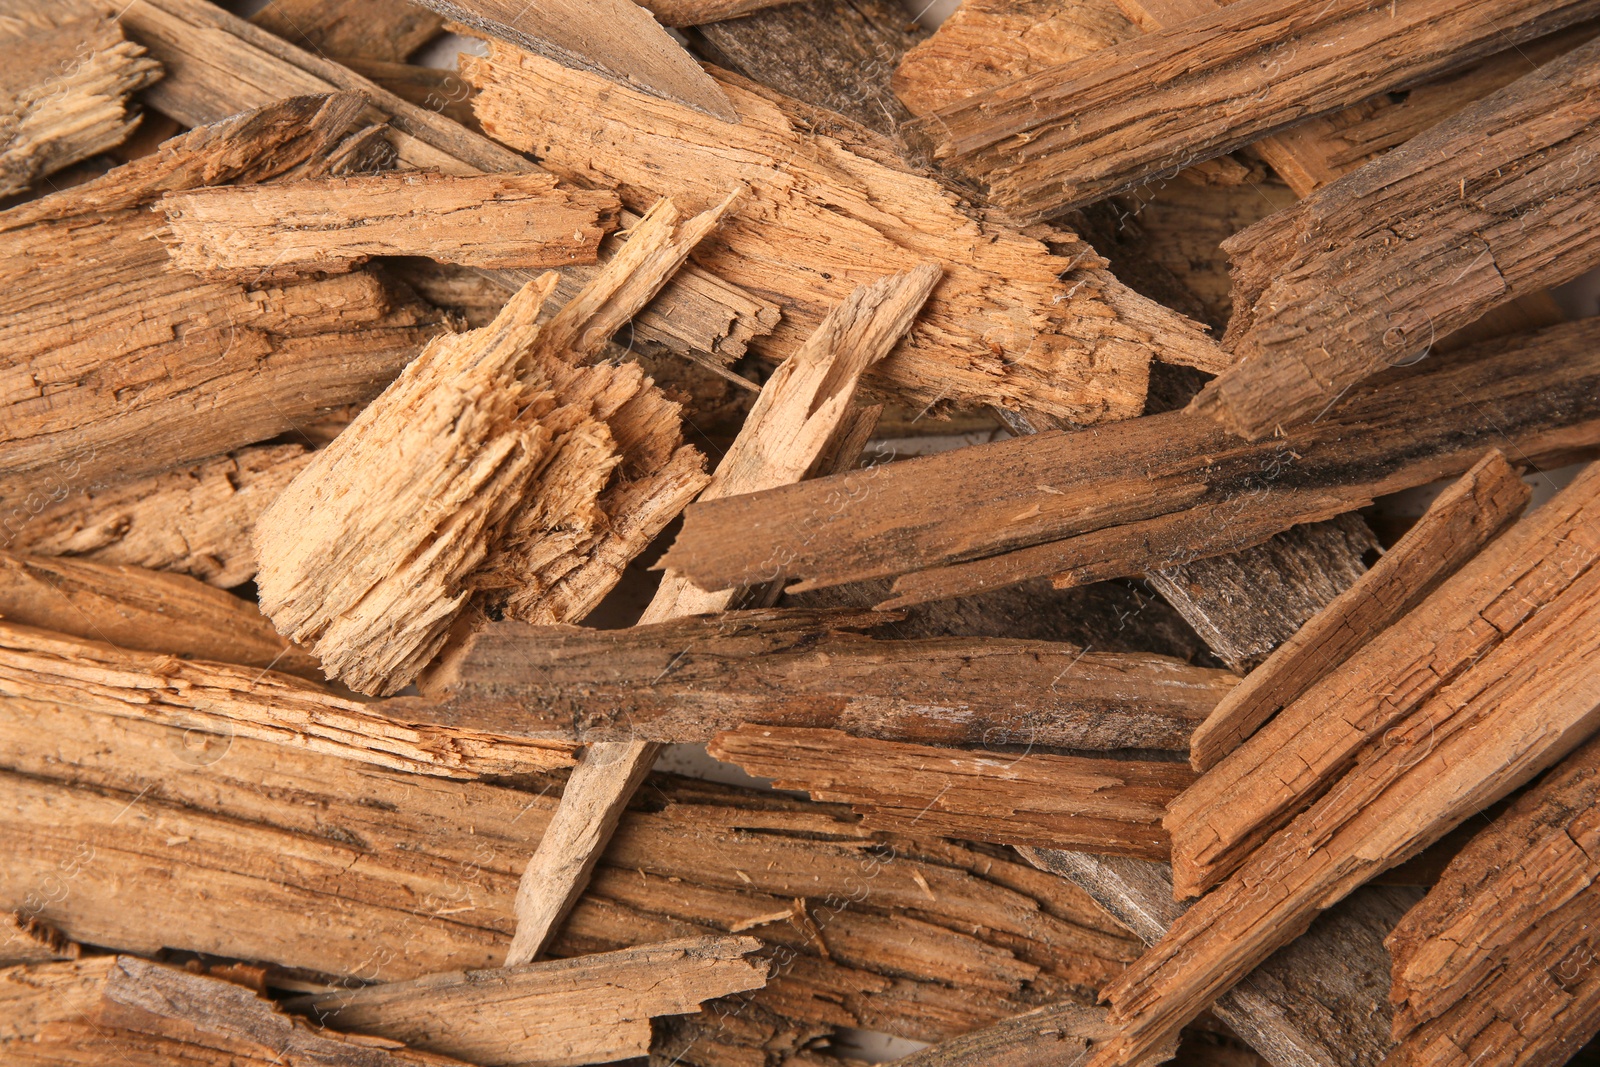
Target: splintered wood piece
[1247, 603]
[431, 868]
[1061, 1034]
[65, 77]
[352, 29]
[145, 611]
[498, 221]
[1455, 528]
[592, 1009]
[125, 1010]
[1100, 805]
[27, 940]
[1149, 493]
[689, 679]
[204, 49]
[1493, 203]
[1496, 959]
[1077, 132]
[128, 368]
[634, 51]
[831, 207]
[837, 54]
[1317, 1002]
[1514, 711]
[699, 12]
[216, 702]
[195, 519]
[1495, 596]
[514, 449]
[795, 426]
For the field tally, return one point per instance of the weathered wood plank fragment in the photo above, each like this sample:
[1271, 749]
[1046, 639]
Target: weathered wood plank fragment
[352, 29]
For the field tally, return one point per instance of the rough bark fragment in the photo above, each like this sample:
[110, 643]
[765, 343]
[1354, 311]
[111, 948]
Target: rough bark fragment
[1499, 594]
[1459, 523]
[591, 1009]
[829, 208]
[795, 426]
[515, 451]
[218, 701]
[433, 867]
[65, 77]
[335, 224]
[1245, 604]
[1514, 711]
[1227, 78]
[688, 679]
[128, 367]
[1105, 806]
[1498, 959]
[837, 54]
[1317, 1002]
[352, 29]
[125, 1010]
[1494, 203]
[218, 64]
[194, 519]
[144, 611]
[1150, 492]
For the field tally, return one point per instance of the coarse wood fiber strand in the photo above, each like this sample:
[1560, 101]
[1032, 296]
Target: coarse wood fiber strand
[352, 29]
[1496, 202]
[830, 207]
[1085, 129]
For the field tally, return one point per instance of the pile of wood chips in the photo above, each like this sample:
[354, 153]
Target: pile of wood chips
[1000, 439]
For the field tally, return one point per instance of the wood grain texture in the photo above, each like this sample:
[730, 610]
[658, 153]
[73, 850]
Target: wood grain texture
[1149, 492]
[431, 867]
[1320, 1001]
[794, 427]
[1498, 958]
[1247, 603]
[352, 29]
[27, 940]
[1503, 591]
[616, 39]
[1513, 712]
[1060, 1034]
[837, 54]
[497, 221]
[1496, 202]
[66, 74]
[695, 12]
[1237, 74]
[1010, 798]
[688, 679]
[831, 207]
[217, 64]
[524, 458]
[590, 1009]
[218, 701]
[1471, 512]
[193, 519]
[125, 1010]
[129, 368]
[144, 611]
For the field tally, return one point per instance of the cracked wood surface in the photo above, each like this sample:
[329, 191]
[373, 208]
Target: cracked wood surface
[1498, 960]
[1470, 513]
[1500, 593]
[497, 221]
[1150, 492]
[1229, 78]
[114, 364]
[829, 207]
[1496, 202]
[217, 64]
[1517, 709]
